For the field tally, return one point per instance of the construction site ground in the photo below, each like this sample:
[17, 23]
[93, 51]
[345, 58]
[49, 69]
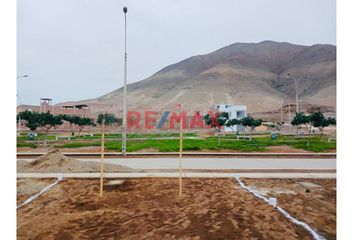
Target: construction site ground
[150, 208]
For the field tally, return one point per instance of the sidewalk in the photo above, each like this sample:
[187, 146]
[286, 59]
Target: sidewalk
[176, 175]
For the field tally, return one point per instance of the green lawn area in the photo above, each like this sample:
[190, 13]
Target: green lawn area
[110, 136]
[40, 136]
[258, 144]
[139, 135]
[24, 144]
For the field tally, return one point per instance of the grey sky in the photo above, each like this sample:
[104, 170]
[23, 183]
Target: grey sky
[73, 49]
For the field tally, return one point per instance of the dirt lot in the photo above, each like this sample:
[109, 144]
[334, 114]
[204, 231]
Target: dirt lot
[151, 209]
[55, 161]
[312, 201]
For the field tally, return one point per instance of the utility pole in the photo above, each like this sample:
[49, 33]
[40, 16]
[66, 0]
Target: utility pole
[124, 123]
[281, 113]
[180, 148]
[102, 151]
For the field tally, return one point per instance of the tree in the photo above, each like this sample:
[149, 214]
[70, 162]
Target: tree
[82, 122]
[31, 118]
[35, 120]
[71, 121]
[332, 121]
[233, 122]
[110, 119]
[251, 123]
[302, 119]
[321, 122]
[207, 119]
[48, 121]
[79, 121]
[297, 121]
[216, 122]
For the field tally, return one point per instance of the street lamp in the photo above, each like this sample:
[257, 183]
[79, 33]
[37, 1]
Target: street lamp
[297, 93]
[124, 123]
[296, 88]
[22, 76]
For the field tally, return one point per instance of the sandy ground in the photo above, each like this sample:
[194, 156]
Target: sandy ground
[55, 162]
[27, 187]
[151, 209]
[47, 149]
[312, 201]
[285, 149]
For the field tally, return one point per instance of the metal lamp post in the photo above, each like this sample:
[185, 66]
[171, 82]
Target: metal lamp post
[296, 88]
[297, 93]
[124, 123]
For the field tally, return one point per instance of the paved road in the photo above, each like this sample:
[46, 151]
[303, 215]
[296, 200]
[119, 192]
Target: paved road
[214, 163]
[222, 163]
[176, 174]
[185, 154]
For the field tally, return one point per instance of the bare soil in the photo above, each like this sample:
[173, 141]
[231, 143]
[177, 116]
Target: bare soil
[151, 209]
[56, 162]
[310, 200]
[37, 149]
[285, 149]
[92, 149]
[30, 186]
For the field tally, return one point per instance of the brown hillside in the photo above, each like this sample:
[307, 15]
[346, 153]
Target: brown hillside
[252, 74]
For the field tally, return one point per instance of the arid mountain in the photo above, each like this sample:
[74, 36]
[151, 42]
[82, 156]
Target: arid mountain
[252, 74]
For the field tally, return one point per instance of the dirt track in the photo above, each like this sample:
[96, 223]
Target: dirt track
[151, 209]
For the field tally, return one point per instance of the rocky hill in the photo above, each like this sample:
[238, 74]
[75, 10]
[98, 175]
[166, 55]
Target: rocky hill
[252, 74]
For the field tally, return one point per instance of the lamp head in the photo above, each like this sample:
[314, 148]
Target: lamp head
[125, 9]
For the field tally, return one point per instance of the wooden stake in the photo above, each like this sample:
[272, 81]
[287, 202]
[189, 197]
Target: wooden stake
[102, 154]
[180, 150]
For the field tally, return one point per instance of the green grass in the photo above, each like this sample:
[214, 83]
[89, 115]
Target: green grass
[26, 145]
[39, 137]
[79, 144]
[257, 144]
[139, 135]
[316, 145]
[112, 136]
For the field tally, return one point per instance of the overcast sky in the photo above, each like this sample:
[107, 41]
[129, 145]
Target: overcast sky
[74, 49]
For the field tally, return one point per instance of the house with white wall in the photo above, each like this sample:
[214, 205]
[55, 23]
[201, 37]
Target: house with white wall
[235, 111]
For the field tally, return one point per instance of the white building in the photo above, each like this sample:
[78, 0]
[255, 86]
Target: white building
[235, 111]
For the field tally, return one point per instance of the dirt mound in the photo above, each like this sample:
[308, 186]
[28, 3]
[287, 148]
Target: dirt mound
[56, 162]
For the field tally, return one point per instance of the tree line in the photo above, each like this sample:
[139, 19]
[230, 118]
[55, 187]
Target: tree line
[222, 119]
[315, 119]
[47, 121]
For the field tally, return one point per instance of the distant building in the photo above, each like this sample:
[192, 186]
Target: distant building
[235, 111]
[46, 105]
[81, 110]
